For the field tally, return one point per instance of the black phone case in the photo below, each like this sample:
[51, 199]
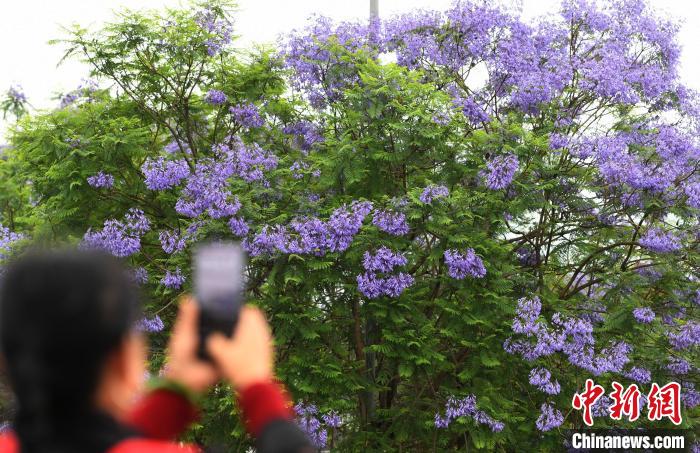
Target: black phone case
[210, 323]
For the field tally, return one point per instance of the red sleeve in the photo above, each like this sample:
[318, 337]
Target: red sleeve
[8, 443]
[262, 403]
[162, 414]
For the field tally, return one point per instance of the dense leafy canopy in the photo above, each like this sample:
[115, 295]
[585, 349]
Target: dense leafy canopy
[453, 218]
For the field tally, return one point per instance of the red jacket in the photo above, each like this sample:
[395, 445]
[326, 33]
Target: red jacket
[163, 415]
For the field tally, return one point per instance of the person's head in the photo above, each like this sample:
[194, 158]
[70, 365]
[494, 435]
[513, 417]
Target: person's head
[68, 340]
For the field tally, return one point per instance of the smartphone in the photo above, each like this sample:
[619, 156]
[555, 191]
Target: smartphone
[219, 287]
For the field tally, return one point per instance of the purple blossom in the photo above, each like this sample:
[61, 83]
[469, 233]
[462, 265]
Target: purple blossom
[247, 115]
[298, 168]
[238, 226]
[461, 265]
[120, 238]
[441, 118]
[152, 325]
[500, 171]
[219, 30]
[393, 223]
[549, 418]
[571, 336]
[692, 191]
[687, 336]
[215, 97]
[690, 396]
[332, 419]
[306, 133]
[16, 94]
[208, 191]
[660, 241]
[269, 240]
[640, 375]
[542, 379]
[384, 260]
[679, 366]
[173, 148]
[173, 280]
[101, 180]
[139, 275]
[344, 224]
[7, 241]
[171, 241]
[372, 286]
[558, 141]
[644, 315]
[162, 174]
[309, 422]
[433, 192]
[466, 407]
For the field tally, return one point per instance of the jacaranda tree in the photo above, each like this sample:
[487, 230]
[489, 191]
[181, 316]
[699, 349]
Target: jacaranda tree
[452, 218]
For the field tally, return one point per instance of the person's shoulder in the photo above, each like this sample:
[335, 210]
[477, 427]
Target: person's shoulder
[8, 442]
[151, 446]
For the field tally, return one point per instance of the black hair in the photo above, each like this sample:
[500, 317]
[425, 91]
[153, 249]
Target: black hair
[61, 314]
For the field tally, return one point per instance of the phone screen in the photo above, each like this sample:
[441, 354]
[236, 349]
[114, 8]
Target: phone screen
[219, 287]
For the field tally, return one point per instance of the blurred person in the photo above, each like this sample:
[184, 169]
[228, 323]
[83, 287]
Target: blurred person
[76, 364]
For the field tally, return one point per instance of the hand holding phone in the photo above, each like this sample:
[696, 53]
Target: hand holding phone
[219, 287]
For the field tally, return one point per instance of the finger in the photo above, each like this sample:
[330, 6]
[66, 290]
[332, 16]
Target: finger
[185, 329]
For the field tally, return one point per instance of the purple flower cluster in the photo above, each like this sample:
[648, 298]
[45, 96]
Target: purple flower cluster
[173, 280]
[207, 189]
[84, 91]
[7, 240]
[298, 168]
[433, 192]
[173, 148]
[690, 397]
[306, 134]
[121, 238]
[238, 226]
[679, 366]
[542, 379]
[460, 265]
[139, 275]
[101, 180]
[312, 235]
[152, 325]
[638, 374]
[332, 419]
[219, 30]
[571, 336]
[162, 174]
[215, 97]
[16, 94]
[173, 242]
[312, 423]
[307, 54]
[500, 171]
[393, 223]
[643, 314]
[685, 337]
[659, 241]
[549, 418]
[247, 115]
[383, 261]
[466, 407]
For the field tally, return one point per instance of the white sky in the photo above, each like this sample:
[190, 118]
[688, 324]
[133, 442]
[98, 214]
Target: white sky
[27, 25]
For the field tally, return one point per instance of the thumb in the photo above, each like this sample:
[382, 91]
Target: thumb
[217, 345]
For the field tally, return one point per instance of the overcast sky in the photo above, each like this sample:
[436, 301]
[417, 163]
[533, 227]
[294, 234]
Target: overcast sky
[26, 26]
